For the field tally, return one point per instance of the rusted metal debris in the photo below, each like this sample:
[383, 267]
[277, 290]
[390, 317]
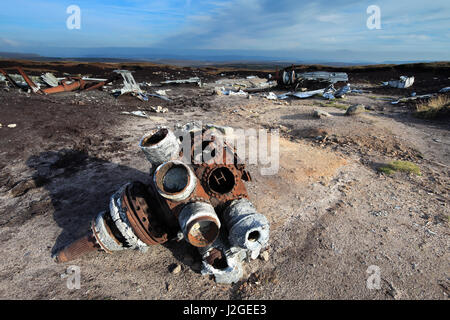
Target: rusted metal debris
[10, 80]
[204, 203]
[64, 85]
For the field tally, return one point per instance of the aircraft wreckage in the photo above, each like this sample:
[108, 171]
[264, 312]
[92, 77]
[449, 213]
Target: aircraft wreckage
[206, 204]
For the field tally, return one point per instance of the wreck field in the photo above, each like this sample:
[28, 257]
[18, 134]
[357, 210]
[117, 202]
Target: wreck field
[334, 215]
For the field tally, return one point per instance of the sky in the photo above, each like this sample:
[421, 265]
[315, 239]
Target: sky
[285, 29]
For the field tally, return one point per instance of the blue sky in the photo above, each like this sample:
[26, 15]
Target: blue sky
[410, 30]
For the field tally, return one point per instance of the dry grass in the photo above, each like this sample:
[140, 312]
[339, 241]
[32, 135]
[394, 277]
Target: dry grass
[434, 108]
[403, 166]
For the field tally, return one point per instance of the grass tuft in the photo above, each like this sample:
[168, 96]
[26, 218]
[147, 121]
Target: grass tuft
[403, 166]
[434, 108]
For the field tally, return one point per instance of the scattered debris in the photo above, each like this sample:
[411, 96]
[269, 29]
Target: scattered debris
[23, 81]
[302, 95]
[444, 90]
[342, 91]
[30, 83]
[190, 80]
[129, 86]
[404, 82]
[50, 79]
[162, 92]
[238, 93]
[12, 125]
[271, 96]
[249, 85]
[141, 114]
[159, 109]
[424, 96]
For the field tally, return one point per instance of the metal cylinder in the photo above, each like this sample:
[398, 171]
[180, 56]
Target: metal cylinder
[219, 260]
[118, 212]
[78, 248]
[199, 223]
[104, 235]
[247, 228]
[174, 180]
[159, 146]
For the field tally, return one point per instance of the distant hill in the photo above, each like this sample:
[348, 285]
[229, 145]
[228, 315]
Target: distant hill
[17, 55]
[224, 61]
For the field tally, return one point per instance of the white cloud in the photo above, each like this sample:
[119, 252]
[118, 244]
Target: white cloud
[9, 42]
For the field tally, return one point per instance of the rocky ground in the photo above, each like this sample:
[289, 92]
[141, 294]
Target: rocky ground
[332, 213]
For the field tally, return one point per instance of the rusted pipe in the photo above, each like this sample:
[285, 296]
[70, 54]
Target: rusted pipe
[9, 78]
[174, 180]
[30, 83]
[78, 248]
[199, 223]
[64, 87]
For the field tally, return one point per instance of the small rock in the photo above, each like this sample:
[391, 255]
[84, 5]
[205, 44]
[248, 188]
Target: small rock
[168, 286]
[355, 109]
[159, 109]
[22, 187]
[265, 255]
[176, 269]
[219, 91]
[321, 114]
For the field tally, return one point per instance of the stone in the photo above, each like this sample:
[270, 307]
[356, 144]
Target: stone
[355, 109]
[176, 269]
[321, 114]
[265, 255]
